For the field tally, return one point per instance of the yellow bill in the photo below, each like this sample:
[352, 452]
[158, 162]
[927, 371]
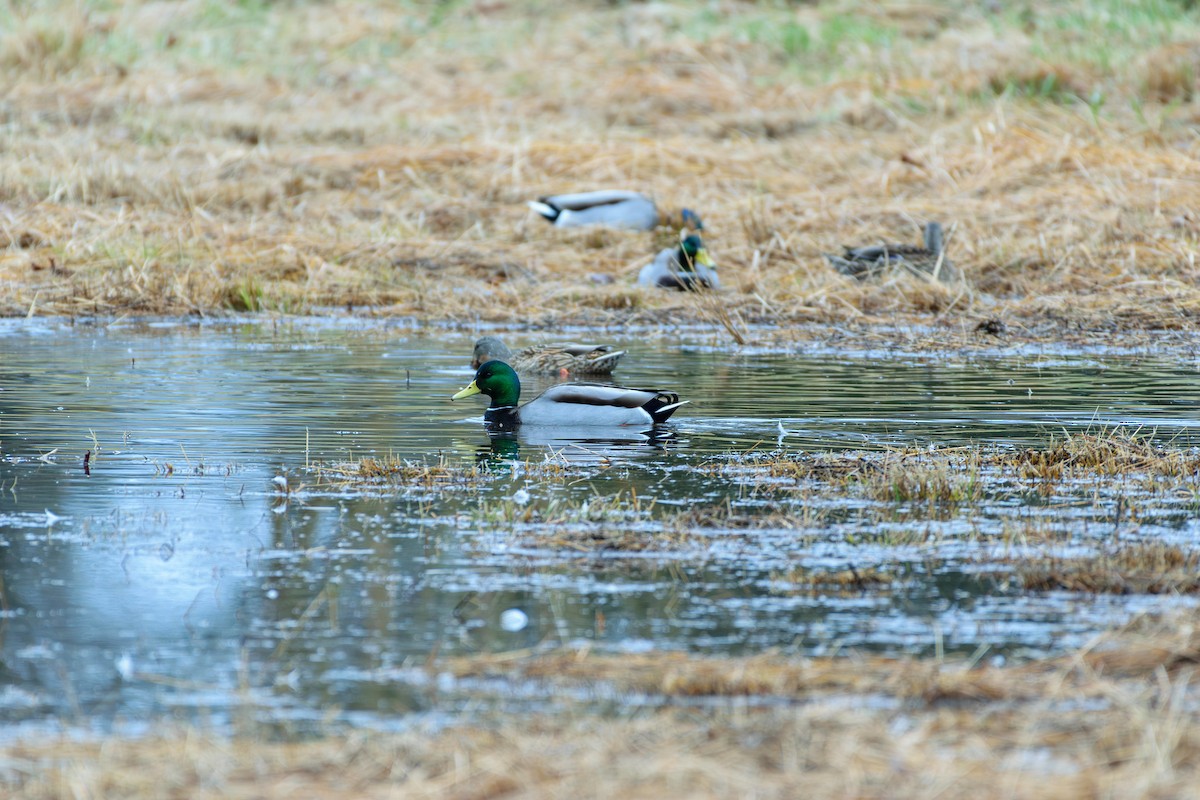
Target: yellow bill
[467, 392]
[703, 259]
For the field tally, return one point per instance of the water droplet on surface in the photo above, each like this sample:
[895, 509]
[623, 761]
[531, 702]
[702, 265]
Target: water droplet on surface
[513, 620]
[124, 666]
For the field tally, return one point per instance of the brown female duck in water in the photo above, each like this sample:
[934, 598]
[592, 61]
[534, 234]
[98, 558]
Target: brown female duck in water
[563, 360]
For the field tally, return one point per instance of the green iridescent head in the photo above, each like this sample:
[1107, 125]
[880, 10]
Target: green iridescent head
[498, 381]
[692, 252]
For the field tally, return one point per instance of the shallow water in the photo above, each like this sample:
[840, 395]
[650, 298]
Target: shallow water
[173, 575]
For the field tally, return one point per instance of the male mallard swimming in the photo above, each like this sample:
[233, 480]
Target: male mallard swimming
[616, 208]
[556, 359]
[686, 267]
[872, 260]
[567, 404]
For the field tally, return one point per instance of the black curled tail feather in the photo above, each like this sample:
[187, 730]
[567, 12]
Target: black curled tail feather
[663, 406]
[547, 209]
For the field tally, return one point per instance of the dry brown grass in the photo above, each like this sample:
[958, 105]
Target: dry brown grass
[937, 481]
[1112, 720]
[293, 158]
[847, 582]
[955, 476]
[1140, 568]
[1116, 452]
[393, 470]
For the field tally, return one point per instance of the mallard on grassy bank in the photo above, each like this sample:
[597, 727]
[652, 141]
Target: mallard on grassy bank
[615, 208]
[687, 267]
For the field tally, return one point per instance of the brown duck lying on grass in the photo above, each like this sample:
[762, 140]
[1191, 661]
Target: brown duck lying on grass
[872, 260]
[563, 360]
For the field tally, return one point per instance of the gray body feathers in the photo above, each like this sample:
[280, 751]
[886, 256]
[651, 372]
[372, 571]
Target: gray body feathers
[666, 272]
[614, 208]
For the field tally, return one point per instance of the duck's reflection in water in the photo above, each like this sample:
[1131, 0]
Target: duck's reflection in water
[597, 446]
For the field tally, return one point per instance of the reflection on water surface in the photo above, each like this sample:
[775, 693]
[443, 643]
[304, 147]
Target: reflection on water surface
[178, 574]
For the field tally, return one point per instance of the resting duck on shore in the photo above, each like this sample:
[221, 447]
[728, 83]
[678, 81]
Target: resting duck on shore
[568, 404]
[556, 359]
[616, 208]
[687, 267]
[871, 260]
